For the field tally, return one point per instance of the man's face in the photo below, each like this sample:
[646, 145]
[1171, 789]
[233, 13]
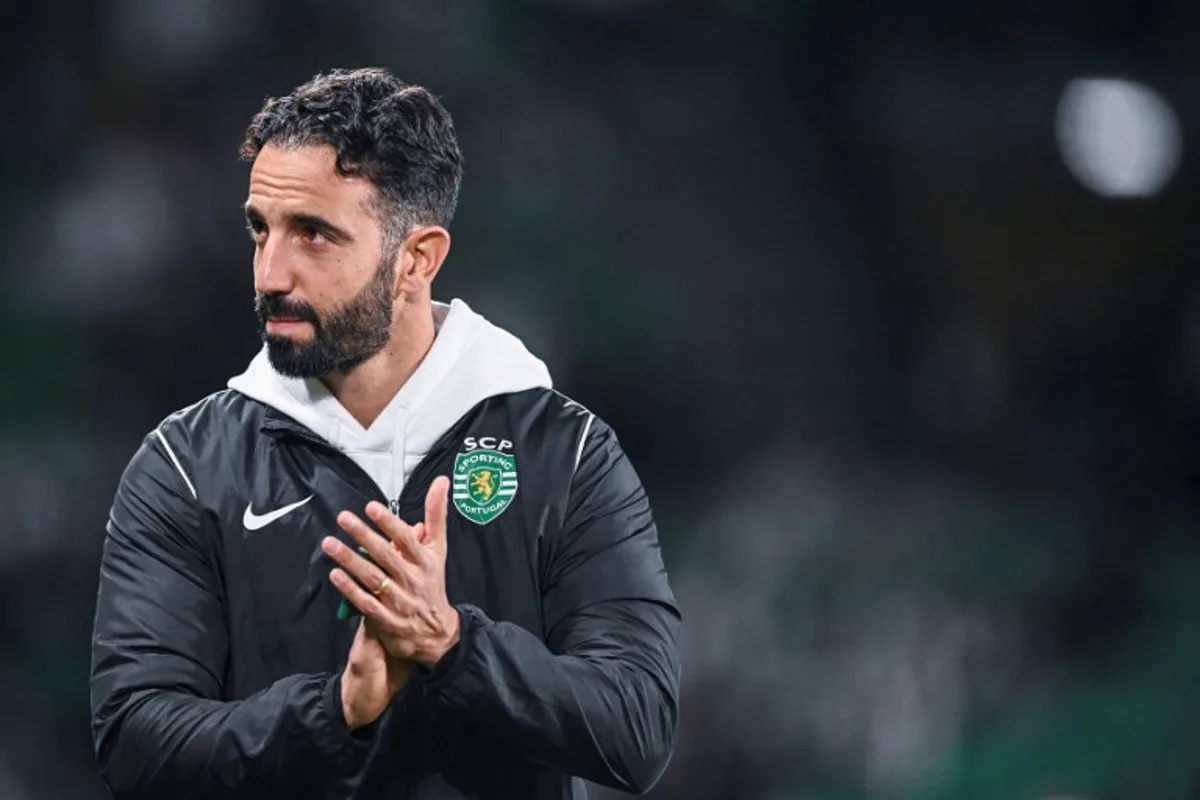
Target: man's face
[324, 285]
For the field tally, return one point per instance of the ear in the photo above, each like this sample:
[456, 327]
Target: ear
[421, 257]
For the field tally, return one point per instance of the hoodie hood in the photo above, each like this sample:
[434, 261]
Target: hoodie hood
[470, 361]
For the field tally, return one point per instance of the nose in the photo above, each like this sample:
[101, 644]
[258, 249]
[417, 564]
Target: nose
[272, 269]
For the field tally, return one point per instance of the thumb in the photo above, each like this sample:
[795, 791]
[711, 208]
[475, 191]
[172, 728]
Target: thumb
[371, 632]
[365, 647]
[436, 502]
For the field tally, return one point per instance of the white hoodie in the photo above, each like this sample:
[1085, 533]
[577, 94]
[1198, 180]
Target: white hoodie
[470, 361]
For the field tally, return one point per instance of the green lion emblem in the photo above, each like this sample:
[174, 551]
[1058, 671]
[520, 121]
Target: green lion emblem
[485, 483]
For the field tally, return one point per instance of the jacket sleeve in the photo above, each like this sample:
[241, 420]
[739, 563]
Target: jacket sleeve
[598, 699]
[159, 651]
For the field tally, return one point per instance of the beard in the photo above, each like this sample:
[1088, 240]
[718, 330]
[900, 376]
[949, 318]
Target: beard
[342, 339]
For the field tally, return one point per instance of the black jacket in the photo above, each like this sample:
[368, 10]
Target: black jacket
[217, 649]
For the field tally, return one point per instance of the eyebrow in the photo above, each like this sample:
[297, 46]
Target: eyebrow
[303, 220]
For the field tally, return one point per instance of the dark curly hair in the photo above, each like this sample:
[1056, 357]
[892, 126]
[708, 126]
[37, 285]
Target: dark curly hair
[398, 136]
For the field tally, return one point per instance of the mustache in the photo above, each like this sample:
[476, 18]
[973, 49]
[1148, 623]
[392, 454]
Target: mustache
[279, 306]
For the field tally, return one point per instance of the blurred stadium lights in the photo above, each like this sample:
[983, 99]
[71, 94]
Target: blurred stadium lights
[1119, 138]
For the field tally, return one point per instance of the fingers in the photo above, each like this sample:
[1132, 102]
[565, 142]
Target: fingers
[352, 563]
[367, 604]
[409, 542]
[400, 532]
[380, 549]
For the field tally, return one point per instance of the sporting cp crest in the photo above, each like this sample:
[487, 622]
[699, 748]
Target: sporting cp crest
[485, 483]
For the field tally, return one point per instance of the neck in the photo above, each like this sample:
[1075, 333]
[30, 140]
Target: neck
[367, 389]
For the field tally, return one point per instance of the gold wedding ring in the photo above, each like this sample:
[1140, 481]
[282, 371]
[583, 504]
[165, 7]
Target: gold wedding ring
[383, 587]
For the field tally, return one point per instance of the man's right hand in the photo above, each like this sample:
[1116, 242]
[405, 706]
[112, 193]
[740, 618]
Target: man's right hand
[371, 679]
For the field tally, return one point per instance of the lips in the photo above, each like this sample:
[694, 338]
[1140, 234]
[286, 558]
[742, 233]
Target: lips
[278, 310]
[284, 325]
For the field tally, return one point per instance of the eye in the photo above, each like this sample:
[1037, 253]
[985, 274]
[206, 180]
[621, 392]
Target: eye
[312, 234]
[256, 229]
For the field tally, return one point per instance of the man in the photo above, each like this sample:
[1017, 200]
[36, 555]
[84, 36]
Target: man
[511, 628]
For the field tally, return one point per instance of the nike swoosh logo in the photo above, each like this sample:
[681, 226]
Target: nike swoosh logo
[254, 521]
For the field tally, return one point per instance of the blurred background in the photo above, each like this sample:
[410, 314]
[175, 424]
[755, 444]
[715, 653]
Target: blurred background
[894, 305]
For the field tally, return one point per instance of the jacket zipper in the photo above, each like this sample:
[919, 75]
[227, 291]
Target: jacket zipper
[353, 470]
[393, 504]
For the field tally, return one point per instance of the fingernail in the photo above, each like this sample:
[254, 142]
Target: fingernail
[331, 546]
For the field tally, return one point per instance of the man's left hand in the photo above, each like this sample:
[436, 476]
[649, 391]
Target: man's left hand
[405, 604]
